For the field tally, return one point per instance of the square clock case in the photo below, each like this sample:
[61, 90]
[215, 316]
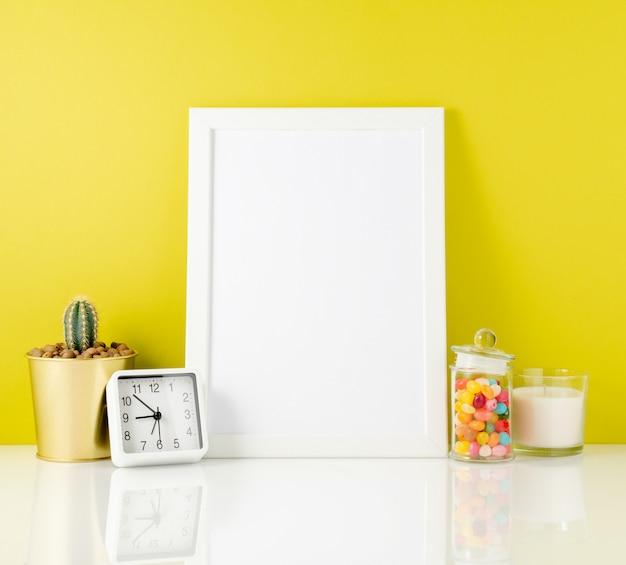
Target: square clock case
[156, 417]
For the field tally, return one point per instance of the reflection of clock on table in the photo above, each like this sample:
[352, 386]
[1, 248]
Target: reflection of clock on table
[157, 515]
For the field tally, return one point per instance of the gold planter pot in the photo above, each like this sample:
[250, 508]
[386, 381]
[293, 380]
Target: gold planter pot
[70, 406]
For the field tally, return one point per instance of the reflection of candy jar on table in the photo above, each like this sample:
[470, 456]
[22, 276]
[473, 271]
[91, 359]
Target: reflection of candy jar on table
[480, 401]
[548, 504]
[480, 513]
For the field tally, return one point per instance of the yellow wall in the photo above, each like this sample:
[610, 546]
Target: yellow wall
[93, 154]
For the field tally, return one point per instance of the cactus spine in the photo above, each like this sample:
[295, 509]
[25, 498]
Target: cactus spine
[80, 321]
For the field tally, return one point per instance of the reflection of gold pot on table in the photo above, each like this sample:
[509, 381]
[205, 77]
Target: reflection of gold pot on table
[69, 512]
[69, 406]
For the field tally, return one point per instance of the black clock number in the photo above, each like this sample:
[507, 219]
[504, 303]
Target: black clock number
[126, 400]
[125, 417]
[137, 389]
[187, 414]
[127, 435]
[154, 387]
[176, 443]
[185, 397]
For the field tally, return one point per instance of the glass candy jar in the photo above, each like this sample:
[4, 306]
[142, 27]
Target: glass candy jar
[480, 401]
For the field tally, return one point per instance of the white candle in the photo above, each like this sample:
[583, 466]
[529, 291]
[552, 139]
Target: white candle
[547, 416]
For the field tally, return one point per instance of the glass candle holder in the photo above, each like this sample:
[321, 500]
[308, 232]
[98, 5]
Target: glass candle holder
[548, 407]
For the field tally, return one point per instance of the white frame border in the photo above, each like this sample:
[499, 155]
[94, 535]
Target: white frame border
[203, 122]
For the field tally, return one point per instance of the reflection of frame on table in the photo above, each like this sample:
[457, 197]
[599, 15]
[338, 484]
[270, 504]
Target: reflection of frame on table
[316, 281]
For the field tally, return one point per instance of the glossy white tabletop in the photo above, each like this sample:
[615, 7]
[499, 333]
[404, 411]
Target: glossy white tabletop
[314, 511]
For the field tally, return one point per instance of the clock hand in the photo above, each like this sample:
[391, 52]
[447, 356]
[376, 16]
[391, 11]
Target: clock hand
[157, 511]
[155, 519]
[156, 414]
[157, 420]
[148, 407]
[142, 532]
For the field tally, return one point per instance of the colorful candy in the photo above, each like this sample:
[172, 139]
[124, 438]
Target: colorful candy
[481, 419]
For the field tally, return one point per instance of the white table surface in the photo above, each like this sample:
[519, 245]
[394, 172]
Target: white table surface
[317, 511]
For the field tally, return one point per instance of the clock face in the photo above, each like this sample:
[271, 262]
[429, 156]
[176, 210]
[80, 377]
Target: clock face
[159, 413]
[155, 417]
[160, 522]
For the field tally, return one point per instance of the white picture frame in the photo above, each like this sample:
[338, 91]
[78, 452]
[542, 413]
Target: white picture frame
[316, 280]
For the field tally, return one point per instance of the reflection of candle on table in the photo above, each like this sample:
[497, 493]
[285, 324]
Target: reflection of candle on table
[549, 490]
[548, 416]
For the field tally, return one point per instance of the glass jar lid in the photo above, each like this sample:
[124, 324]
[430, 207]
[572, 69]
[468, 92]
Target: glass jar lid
[483, 356]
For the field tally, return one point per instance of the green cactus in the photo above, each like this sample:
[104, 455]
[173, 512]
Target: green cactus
[80, 321]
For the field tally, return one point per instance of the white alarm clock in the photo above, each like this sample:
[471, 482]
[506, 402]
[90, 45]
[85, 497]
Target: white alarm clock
[156, 417]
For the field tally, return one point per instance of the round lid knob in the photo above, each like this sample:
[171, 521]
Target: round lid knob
[482, 356]
[485, 338]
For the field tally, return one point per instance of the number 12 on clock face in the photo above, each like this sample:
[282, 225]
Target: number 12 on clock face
[156, 417]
